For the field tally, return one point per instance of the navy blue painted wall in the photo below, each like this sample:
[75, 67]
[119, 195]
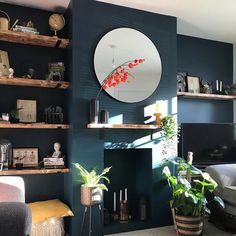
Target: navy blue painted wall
[91, 20]
[38, 187]
[211, 60]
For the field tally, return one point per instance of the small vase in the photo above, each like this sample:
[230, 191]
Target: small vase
[94, 110]
[104, 117]
[90, 196]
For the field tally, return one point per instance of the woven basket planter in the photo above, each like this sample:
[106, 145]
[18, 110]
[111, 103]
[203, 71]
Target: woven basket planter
[90, 196]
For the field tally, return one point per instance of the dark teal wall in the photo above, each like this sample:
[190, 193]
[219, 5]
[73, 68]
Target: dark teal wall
[211, 60]
[91, 20]
[38, 187]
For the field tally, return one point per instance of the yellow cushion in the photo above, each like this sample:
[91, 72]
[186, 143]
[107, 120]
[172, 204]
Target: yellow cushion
[47, 209]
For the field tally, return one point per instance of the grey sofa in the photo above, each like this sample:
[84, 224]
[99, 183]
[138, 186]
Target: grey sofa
[15, 219]
[225, 176]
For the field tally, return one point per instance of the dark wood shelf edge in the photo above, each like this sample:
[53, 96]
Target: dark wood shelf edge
[206, 96]
[122, 126]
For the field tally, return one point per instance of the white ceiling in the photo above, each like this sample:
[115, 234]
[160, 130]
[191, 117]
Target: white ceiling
[49, 5]
[211, 19]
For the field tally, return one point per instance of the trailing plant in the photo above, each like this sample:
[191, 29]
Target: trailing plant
[169, 127]
[189, 198]
[91, 178]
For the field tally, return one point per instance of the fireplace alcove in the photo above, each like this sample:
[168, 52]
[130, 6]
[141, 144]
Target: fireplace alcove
[131, 169]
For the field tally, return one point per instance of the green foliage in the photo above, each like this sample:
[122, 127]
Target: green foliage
[169, 127]
[91, 178]
[188, 198]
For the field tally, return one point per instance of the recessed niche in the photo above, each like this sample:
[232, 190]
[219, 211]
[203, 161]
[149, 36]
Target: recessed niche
[131, 169]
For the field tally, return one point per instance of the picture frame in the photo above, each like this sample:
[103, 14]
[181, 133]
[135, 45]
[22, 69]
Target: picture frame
[27, 110]
[4, 63]
[193, 84]
[181, 81]
[27, 156]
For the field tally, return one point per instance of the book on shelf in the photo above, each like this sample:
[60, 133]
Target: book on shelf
[54, 166]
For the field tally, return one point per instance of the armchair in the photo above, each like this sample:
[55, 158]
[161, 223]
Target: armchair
[225, 176]
[15, 215]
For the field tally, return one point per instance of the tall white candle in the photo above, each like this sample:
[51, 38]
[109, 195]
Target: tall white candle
[120, 195]
[126, 197]
[114, 206]
[217, 85]
[220, 85]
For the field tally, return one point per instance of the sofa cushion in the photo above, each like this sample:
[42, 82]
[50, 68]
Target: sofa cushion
[229, 194]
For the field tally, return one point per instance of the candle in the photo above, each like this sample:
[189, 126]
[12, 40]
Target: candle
[120, 195]
[126, 198]
[114, 206]
[221, 86]
[158, 107]
[217, 87]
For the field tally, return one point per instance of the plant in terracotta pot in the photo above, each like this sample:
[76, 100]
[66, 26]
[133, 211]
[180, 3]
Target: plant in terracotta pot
[91, 189]
[189, 203]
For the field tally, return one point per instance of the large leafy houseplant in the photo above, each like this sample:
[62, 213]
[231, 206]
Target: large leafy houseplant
[189, 197]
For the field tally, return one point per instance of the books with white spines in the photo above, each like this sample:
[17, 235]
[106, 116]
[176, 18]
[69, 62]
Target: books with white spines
[54, 163]
[52, 159]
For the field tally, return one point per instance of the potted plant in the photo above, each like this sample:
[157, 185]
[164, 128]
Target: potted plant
[189, 202]
[91, 189]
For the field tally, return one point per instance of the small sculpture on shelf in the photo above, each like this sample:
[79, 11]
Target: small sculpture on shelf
[11, 73]
[53, 115]
[57, 152]
[56, 160]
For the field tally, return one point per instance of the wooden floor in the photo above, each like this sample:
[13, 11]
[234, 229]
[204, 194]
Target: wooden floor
[209, 230]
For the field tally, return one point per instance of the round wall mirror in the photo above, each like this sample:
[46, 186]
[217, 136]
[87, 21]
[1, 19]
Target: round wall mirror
[127, 64]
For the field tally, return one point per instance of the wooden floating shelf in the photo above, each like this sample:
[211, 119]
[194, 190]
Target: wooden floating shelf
[34, 171]
[121, 126]
[33, 126]
[32, 39]
[206, 96]
[16, 81]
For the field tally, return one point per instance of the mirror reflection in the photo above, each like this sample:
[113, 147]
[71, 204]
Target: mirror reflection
[139, 59]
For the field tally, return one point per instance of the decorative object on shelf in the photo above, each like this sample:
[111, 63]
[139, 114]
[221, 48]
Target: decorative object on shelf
[57, 152]
[91, 193]
[205, 87]
[181, 81]
[11, 73]
[30, 73]
[4, 21]
[193, 84]
[27, 110]
[219, 87]
[188, 202]
[14, 115]
[53, 163]
[56, 71]
[230, 89]
[5, 116]
[115, 216]
[104, 117]
[124, 210]
[27, 156]
[56, 22]
[94, 110]
[5, 154]
[4, 63]
[29, 28]
[54, 115]
[122, 45]
[158, 114]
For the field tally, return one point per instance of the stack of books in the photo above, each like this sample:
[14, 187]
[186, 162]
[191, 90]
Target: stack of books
[19, 28]
[52, 162]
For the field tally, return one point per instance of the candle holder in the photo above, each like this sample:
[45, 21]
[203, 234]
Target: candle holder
[158, 118]
[124, 212]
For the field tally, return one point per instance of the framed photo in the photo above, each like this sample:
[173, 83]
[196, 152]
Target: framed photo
[193, 84]
[4, 63]
[27, 156]
[181, 81]
[27, 110]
